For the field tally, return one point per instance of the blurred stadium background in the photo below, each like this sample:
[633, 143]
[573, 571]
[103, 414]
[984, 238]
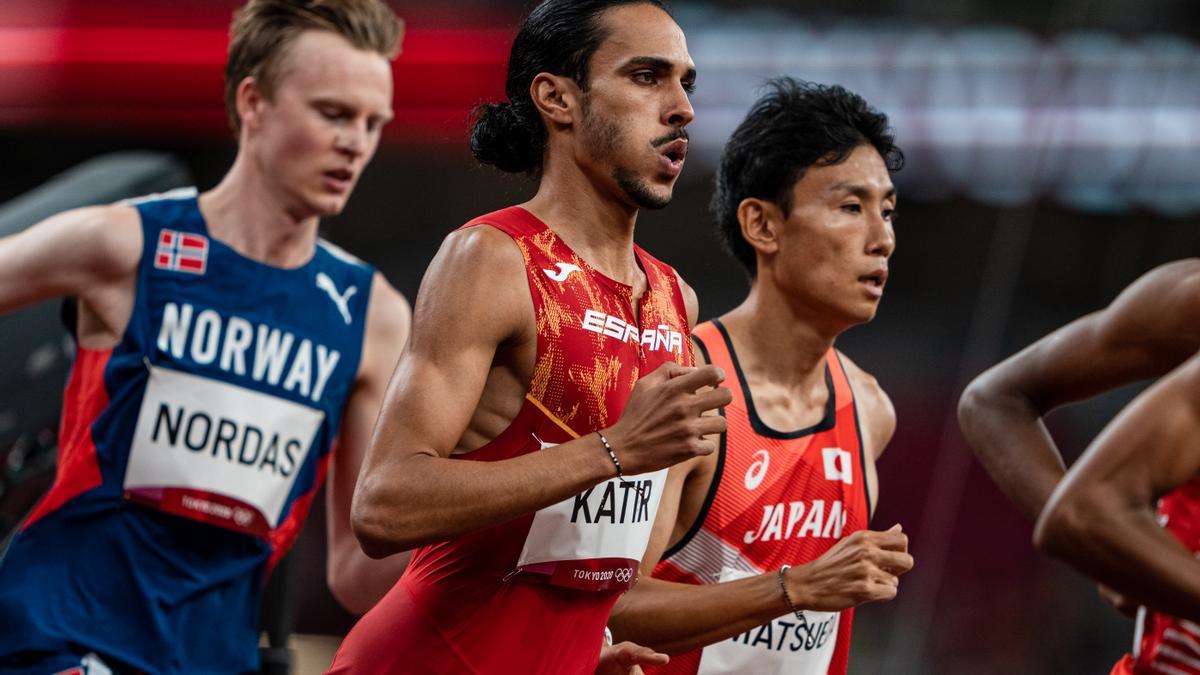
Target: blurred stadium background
[1052, 158]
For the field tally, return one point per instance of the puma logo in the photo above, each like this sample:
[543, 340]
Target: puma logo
[564, 271]
[342, 301]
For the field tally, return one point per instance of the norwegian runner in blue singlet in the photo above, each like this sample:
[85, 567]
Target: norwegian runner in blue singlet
[189, 455]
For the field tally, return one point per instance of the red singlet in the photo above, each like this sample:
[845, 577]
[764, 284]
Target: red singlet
[777, 498]
[1162, 643]
[532, 595]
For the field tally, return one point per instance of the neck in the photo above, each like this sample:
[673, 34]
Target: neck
[764, 322]
[251, 215]
[597, 224]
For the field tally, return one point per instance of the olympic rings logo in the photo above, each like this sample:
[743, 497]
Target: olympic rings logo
[624, 575]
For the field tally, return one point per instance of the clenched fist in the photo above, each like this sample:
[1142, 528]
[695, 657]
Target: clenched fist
[864, 567]
[664, 422]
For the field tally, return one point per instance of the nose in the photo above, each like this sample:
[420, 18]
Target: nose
[679, 112]
[881, 239]
[351, 139]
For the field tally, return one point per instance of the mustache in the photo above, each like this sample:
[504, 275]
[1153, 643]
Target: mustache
[673, 136]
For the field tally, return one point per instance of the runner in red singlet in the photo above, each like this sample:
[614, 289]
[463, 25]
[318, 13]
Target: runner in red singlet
[1128, 512]
[548, 383]
[768, 548]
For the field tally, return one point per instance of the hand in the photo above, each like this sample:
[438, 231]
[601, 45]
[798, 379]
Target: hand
[1121, 602]
[863, 567]
[664, 423]
[627, 658]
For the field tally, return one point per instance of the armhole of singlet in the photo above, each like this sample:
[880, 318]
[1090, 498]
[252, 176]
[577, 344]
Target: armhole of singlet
[702, 514]
[862, 450]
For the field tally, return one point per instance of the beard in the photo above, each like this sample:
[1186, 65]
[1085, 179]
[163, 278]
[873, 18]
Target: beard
[602, 137]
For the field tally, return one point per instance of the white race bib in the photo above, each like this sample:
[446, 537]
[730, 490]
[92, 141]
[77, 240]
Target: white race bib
[596, 539]
[784, 645]
[216, 452]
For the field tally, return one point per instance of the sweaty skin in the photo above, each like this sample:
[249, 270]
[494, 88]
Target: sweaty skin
[1150, 328]
[1101, 517]
[806, 292]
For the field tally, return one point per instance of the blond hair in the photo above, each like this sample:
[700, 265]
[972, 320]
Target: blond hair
[262, 30]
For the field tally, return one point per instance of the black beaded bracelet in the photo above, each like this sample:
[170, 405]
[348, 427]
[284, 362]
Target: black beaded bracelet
[787, 598]
[611, 455]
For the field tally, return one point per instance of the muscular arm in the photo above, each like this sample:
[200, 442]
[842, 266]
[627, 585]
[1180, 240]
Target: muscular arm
[878, 417]
[677, 617]
[1101, 518]
[357, 581]
[1149, 329]
[91, 254]
[475, 300]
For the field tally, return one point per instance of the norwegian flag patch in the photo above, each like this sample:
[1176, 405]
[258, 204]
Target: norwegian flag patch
[181, 252]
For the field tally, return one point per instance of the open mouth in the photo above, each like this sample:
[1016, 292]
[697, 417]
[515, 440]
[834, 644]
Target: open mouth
[876, 279]
[344, 175]
[675, 151]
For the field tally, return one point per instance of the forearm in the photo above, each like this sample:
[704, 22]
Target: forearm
[1007, 435]
[1124, 547]
[677, 617]
[420, 499]
[358, 582]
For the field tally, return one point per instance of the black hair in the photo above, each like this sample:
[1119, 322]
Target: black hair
[558, 37]
[793, 126]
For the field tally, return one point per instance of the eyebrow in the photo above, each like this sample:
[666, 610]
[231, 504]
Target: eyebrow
[658, 64]
[860, 191]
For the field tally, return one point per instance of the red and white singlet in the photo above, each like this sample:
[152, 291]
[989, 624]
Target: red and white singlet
[777, 498]
[1162, 643]
[532, 595]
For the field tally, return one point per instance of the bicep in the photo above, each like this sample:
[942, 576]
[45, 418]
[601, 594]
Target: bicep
[455, 333]
[1149, 449]
[71, 254]
[1145, 332]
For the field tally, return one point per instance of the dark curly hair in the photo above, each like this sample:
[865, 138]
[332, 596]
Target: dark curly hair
[558, 37]
[793, 126]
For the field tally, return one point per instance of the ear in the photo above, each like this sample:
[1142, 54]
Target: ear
[558, 98]
[250, 102]
[760, 220]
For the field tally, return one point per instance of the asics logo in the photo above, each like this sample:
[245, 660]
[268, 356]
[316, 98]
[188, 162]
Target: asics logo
[564, 271]
[837, 465]
[758, 470]
[341, 300]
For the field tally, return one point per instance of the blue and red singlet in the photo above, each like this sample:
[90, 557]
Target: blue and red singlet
[189, 455]
[777, 498]
[1163, 643]
[532, 595]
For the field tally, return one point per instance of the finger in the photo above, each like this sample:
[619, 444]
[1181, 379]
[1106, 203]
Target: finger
[704, 447]
[893, 562]
[709, 426]
[883, 591]
[892, 539]
[712, 399]
[630, 654]
[667, 371]
[705, 376]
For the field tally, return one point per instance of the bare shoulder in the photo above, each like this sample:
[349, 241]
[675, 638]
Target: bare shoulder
[1163, 303]
[690, 300]
[111, 234]
[875, 407]
[477, 282]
